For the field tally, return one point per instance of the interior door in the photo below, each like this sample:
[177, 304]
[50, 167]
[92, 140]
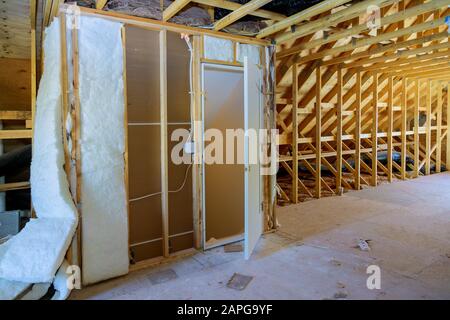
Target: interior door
[252, 103]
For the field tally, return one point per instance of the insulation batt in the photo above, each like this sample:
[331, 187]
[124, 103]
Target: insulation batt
[35, 254]
[103, 195]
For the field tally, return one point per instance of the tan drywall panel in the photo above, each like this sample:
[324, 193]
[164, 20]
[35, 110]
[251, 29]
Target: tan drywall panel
[144, 161]
[144, 142]
[178, 99]
[142, 75]
[147, 251]
[224, 184]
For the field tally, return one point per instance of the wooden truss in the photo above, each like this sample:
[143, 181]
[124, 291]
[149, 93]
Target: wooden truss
[347, 90]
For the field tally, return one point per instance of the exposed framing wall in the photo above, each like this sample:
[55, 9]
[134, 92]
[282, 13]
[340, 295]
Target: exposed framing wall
[343, 99]
[166, 118]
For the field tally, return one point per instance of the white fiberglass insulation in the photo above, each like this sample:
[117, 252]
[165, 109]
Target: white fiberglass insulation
[35, 254]
[250, 51]
[218, 49]
[103, 195]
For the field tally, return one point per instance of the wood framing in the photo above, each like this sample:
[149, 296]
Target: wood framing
[380, 120]
[164, 149]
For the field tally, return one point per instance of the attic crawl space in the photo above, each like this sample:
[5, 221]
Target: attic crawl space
[196, 147]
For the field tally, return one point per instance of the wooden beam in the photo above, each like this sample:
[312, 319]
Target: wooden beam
[386, 48]
[196, 115]
[46, 12]
[438, 126]
[339, 132]
[320, 24]
[16, 134]
[239, 13]
[126, 177]
[173, 9]
[100, 4]
[390, 126]
[15, 115]
[65, 94]
[403, 128]
[234, 6]
[33, 14]
[294, 195]
[14, 186]
[400, 16]
[416, 127]
[76, 146]
[428, 130]
[358, 132]
[375, 129]
[318, 132]
[300, 17]
[153, 25]
[372, 40]
[397, 55]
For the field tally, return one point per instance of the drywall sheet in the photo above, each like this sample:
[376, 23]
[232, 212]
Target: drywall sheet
[103, 194]
[35, 254]
[179, 117]
[224, 184]
[218, 49]
[144, 142]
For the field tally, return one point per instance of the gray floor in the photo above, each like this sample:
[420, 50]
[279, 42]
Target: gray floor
[314, 255]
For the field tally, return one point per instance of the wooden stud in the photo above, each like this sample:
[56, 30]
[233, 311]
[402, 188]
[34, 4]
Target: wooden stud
[438, 127]
[164, 148]
[339, 132]
[374, 129]
[358, 132]
[428, 130]
[390, 127]
[318, 132]
[65, 93]
[403, 128]
[294, 195]
[76, 146]
[416, 127]
[196, 115]
[33, 75]
[125, 127]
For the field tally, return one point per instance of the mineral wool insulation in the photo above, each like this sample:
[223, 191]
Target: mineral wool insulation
[103, 196]
[222, 50]
[35, 254]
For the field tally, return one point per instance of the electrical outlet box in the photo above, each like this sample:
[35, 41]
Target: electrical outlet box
[189, 147]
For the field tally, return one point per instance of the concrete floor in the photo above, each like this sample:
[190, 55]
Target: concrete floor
[314, 255]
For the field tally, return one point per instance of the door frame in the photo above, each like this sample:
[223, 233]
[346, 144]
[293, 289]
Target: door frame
[231, 239]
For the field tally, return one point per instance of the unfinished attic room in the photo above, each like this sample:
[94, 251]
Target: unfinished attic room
[224, 150]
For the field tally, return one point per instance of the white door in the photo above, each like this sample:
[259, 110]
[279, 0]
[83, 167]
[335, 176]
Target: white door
[252, 103]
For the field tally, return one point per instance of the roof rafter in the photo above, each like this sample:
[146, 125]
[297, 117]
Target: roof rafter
[239, 13]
